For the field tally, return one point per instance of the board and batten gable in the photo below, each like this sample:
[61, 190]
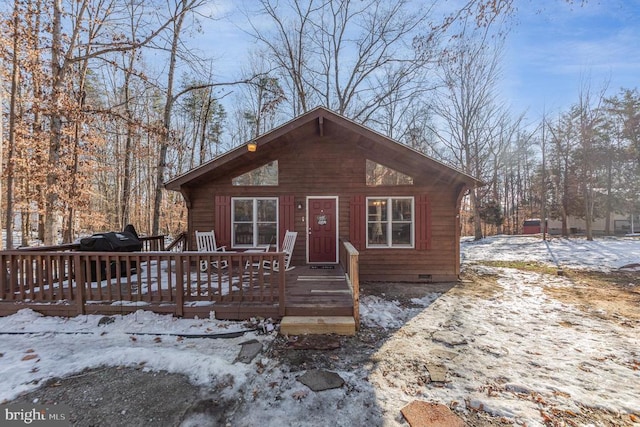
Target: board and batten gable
[323, 155]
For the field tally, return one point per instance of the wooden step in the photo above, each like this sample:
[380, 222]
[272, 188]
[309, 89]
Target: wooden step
[314, 310]
[318, 325]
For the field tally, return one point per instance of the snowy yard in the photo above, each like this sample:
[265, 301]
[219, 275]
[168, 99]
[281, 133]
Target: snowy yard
[602, 254]
[516, 343]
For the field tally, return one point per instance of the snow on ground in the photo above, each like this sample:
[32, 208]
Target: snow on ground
[44, 347]
[601, 254]
[506, 354]
[510, 351]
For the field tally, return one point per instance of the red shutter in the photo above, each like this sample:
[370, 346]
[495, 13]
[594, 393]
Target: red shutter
[423, 223]
[287, 215]
[223, 220]
[357, 221]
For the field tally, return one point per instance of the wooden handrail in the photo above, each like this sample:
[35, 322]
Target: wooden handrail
[152, 243]
[179, 244]
[149, 243]
[349, 259]
[53, 248]
[281, 283]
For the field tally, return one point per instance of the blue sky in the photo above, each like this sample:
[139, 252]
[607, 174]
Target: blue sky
[554, 48]
[553, 52]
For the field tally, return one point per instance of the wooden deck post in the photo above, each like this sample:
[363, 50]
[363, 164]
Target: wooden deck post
[180, 286]
[5, 277]
[77, 278]
[349, 259]
[354, 274]
[282, 308]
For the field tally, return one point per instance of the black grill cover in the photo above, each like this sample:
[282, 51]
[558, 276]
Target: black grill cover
[111, 242]
[125, 241]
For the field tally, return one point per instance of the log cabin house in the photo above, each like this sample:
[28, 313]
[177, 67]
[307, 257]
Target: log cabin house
[333, 180]
[364, 208]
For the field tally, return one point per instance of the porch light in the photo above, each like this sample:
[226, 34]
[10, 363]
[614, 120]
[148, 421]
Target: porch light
[252, 146]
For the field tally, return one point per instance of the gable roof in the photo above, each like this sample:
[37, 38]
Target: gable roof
[321, 115]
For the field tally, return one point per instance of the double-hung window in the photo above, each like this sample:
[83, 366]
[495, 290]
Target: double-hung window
[390, 222]
[254, 221]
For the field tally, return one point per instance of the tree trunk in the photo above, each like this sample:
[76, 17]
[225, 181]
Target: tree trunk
[588, 218]
[69, 228]
[166, 134]
[126, 179]
[607, 226]
[11, 149]
[26, 227]
[204, 123]
[477, 222]
[494, 188]
[565, 199]
[55, 139]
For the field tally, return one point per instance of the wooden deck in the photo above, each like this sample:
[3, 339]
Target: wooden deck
[310, 291]
[66, 282]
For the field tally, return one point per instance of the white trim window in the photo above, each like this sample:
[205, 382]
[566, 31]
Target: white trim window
[390, 222]
[254, 222]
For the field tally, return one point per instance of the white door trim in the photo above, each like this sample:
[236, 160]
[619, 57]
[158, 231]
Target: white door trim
[336, 198]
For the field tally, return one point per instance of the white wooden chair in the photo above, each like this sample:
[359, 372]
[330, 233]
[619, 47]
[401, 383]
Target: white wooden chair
[287, 247]
[206, 242]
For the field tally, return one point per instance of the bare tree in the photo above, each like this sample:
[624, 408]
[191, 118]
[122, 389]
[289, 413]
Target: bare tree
[336, 53]
[180, 9]
[13, 119]
[199, 126]
[64, 57]
[516, 169]
[290, 46]
[563, 169]
[260, 102]
[589, 115]
[129, 60]
[468, 107]
[503, 135]
[623, 153]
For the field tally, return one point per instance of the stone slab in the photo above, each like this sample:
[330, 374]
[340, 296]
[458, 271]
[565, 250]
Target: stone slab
[437, 373]
[441, 353]
[249, 350]
[449, 338]
[425, 414]
[319, 380]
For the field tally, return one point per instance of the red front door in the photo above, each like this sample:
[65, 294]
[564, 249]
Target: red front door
[322, 223]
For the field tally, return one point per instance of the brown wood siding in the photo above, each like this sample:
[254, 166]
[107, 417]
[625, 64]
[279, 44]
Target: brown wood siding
[201, 214]
[334, 165]
[423, 223]
[357, 221]
[223, 220]
[286, 212]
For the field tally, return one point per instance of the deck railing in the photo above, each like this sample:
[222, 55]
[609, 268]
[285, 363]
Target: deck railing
[349, 257]
[179, 244]
[153, 243]
[149, 243]
[69, 282]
